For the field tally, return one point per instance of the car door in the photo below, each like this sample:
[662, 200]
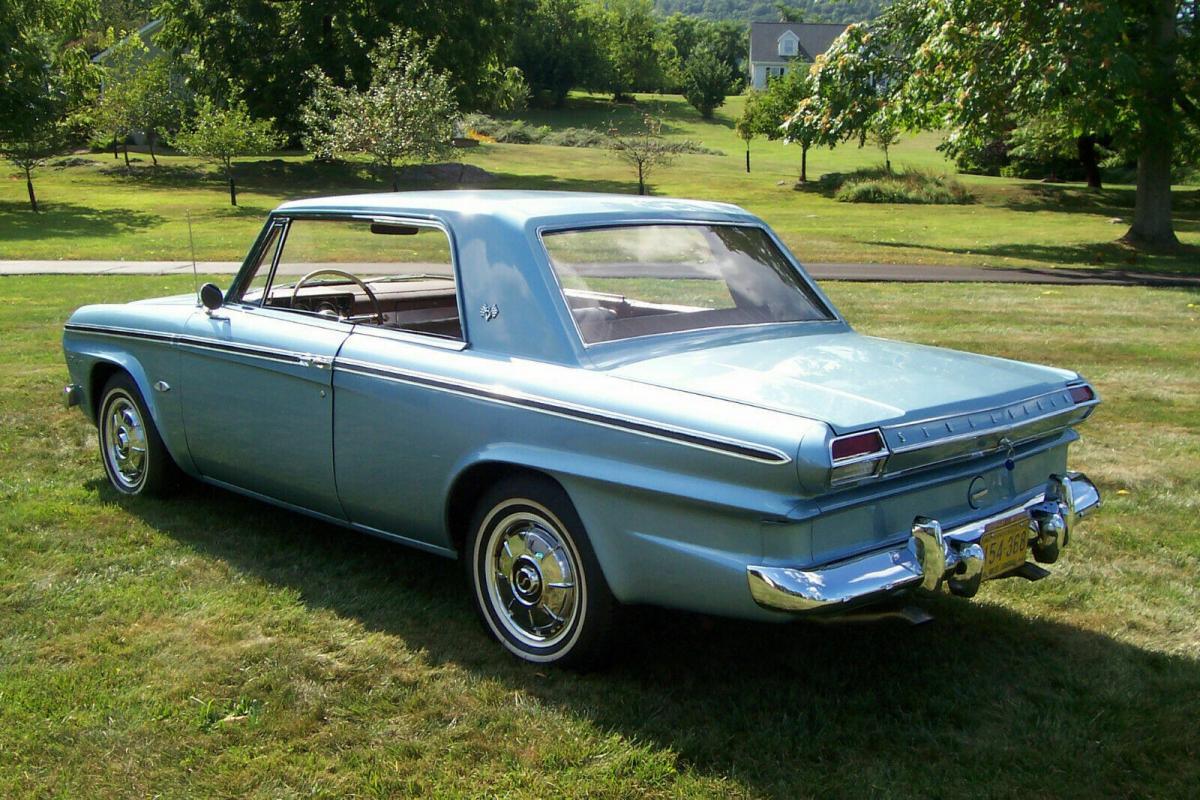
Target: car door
[393, 443]
[256, 391]
[258, 402]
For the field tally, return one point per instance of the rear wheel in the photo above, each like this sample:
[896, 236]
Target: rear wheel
[535, 579]
[135, 459]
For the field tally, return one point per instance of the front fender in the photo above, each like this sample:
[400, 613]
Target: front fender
[90, 356]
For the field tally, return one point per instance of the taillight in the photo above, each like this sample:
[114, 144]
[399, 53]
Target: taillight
[857, 456]
[856, 444]
[1082, 394]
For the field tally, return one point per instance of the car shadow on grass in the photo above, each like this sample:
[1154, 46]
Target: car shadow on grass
[983, 701]
[66, 220]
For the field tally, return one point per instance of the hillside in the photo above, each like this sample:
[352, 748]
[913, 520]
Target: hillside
[765, 11]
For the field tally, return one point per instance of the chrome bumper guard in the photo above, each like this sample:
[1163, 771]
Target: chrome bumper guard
[72, 395]
[929, 557]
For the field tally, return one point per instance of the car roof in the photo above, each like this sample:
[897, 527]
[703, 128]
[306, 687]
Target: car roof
[524, 207]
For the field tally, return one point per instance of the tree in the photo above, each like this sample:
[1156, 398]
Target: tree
[114, 114]
[633, 47]
[744, 126]
[29, 147]
[728, 40]
[884, 134]
[772, 113]
[1127, 67]
[45, 78]
[157, 100]
[222, 133]
[645, 149]
[705, 82]
[556, 45]
[267, 48]
[405, 116]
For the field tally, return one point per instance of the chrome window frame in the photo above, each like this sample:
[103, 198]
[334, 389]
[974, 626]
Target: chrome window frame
[285, 221]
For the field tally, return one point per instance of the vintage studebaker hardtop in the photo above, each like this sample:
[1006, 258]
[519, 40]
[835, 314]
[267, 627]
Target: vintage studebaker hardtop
[595, 401]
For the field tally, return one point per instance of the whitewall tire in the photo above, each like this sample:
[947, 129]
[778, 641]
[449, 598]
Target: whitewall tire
[534, 577]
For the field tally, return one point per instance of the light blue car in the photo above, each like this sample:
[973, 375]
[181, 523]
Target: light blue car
[596, 401]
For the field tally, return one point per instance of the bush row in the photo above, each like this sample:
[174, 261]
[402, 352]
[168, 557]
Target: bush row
[515, 131]
[912, 186]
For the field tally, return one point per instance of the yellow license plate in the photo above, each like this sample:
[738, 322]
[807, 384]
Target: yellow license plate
[1004, 546]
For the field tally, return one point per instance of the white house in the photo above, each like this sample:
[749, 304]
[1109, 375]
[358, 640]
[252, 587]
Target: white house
[776, 47]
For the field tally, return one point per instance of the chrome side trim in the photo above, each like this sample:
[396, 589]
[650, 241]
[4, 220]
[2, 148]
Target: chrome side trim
[199, 343]
[711, 442]
[930, 556]
[126, 333]
[595, 416]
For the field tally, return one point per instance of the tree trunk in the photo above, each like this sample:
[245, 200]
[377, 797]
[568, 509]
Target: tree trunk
[125, 149]
[232, 191]
[395, 179]
[641, 180]
[1087, 157]
[116, 155]
[1152, 224]
[29, 188]
[804, 163]
[150, 137]
[747, 158]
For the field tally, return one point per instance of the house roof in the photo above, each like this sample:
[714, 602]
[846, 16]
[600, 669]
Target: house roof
[144, 33]
[815, 38]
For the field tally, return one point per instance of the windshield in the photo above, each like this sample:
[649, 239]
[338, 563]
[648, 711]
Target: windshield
[639, 280]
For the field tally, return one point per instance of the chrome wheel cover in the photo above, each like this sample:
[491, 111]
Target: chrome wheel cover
[124, 441]
[532, 578]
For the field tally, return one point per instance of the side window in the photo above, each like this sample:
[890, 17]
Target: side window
[390, 274]
[252, 290]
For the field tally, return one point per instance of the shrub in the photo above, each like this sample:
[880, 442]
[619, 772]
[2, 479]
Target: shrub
[489, 129]
[576, 137]
[484, 128]
[911, 186]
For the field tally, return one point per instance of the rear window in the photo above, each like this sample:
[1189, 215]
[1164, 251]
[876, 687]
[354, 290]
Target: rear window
[640, 280]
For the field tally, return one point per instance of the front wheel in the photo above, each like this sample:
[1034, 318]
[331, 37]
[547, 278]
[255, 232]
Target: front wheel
[135, 458]
[535, 579]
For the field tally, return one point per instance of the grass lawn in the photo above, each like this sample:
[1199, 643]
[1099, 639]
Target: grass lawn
[97, 209]
[210, 646]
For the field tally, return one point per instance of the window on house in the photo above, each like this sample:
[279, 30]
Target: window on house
[787, 46]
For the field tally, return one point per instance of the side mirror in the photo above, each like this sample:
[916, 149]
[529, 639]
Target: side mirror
[211, 296]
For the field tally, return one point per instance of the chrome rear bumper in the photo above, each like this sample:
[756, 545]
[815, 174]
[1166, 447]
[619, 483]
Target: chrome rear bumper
[929, 557]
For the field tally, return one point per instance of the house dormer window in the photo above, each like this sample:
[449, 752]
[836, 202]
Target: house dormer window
[788, 44]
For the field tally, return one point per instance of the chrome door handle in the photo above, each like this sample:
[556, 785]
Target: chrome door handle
[320, 362]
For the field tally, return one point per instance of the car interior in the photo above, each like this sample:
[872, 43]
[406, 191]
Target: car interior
[402, 278]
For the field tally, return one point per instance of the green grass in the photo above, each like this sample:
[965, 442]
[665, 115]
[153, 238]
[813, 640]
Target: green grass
[210, 646]
[98, 210]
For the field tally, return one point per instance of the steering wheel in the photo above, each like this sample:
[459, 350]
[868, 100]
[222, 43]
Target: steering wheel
[377, 316]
